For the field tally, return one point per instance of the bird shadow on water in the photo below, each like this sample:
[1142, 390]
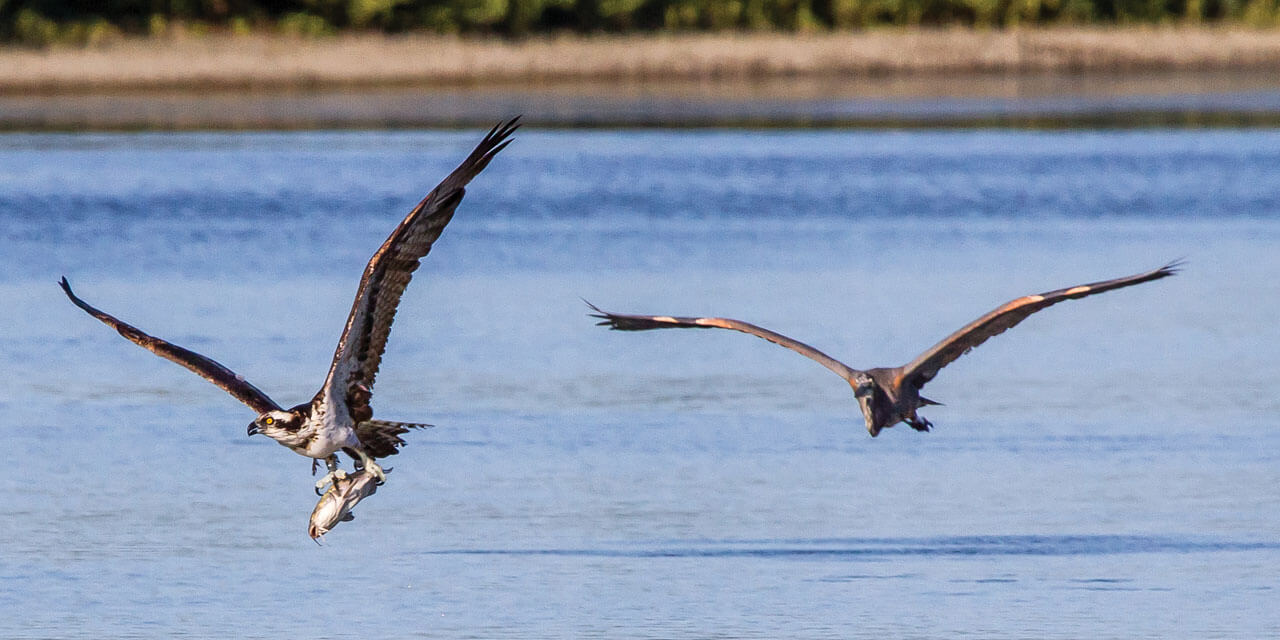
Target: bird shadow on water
[872, 548]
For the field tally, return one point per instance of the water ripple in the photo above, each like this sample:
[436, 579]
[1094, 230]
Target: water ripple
[978, 546]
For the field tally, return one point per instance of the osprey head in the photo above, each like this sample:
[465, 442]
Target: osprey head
[276, 424]
[864, 389]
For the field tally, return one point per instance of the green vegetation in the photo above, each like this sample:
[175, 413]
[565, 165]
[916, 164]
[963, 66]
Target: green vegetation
[40, 22]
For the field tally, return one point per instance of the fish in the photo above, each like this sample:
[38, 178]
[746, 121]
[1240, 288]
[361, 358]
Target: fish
[336, 504]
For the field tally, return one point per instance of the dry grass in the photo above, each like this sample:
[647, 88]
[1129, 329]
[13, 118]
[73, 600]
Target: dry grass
[260, 61]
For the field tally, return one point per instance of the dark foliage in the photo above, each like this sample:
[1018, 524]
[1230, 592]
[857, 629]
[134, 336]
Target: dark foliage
[38, 22]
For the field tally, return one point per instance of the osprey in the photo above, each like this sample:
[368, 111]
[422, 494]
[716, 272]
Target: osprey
[339, 417]
[891, 395]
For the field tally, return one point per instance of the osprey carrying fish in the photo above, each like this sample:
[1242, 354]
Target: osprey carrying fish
[889, 395]
[339, 416]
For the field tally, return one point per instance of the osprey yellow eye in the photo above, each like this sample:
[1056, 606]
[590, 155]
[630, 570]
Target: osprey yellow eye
[270, 421]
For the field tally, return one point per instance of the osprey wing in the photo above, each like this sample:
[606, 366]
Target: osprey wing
[620, 322]
[207, 368]
[1004, 317]
[359, 352]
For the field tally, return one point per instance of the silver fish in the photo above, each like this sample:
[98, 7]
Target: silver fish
[336, 504]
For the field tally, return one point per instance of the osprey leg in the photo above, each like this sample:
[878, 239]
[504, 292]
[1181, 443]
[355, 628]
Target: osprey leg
[334, 474]
[918, 423]
[366, 462]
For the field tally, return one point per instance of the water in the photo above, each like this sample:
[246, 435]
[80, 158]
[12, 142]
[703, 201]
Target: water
[1110, 99]
[1107, 469]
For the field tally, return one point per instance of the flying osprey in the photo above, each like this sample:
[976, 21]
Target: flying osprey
[339, 416]
[891, 395]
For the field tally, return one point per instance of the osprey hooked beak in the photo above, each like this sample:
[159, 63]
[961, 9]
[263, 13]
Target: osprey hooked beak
[255, 427]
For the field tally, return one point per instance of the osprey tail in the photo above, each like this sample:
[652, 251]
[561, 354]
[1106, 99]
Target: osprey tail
[381, 438]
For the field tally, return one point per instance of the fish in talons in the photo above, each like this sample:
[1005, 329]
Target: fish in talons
[336, 504]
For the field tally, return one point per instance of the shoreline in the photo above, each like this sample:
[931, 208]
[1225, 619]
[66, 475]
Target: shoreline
[1169, 99]
[257, 62]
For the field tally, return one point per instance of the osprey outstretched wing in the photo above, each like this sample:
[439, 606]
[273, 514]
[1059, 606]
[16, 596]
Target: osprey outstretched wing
[359, 352]
[620, 322]
[205, 367]
[1007, 316]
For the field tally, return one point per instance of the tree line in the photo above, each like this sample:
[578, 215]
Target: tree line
[39, 22]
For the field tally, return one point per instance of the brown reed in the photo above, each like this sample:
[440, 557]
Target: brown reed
[279, 61]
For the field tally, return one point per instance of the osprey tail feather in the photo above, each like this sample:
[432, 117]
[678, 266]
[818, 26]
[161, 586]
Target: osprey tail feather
[381, 438]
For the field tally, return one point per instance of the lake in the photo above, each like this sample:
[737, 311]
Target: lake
[1108, 469]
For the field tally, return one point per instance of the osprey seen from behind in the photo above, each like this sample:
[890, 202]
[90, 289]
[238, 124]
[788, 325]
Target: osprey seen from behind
[889, 395]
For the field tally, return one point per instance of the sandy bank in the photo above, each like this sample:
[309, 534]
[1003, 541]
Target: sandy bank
[276, 62]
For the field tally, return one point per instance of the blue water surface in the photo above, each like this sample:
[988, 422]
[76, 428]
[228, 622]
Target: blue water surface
[1108, 469]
